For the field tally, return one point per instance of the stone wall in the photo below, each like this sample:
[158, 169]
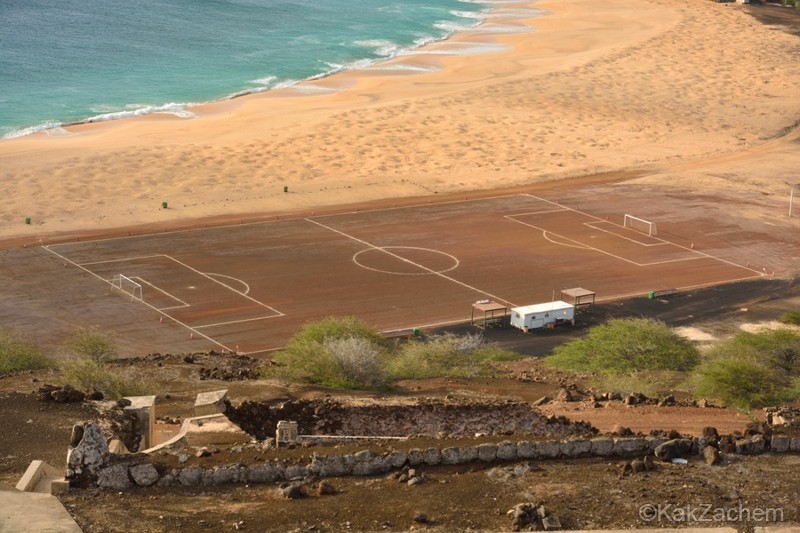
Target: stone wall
[120, 472]
[451, 418]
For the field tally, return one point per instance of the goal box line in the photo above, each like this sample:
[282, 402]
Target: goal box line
[639, 224]
[127, 285]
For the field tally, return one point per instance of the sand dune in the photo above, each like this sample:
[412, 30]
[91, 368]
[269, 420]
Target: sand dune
[595, 86]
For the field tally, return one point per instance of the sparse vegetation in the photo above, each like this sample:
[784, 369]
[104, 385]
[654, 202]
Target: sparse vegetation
[344, 353]
[790, 317]
[752, 370]
[623, 346]
[447, 355]
[93, 344]
[18, 353]
[87, 374]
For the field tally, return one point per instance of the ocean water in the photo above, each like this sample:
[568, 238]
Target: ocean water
[68, 61]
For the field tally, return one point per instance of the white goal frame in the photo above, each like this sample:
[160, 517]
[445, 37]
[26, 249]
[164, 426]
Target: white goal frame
[640, 224]
[127, 285]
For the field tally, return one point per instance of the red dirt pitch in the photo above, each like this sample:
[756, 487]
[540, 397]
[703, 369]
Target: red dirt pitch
[250, 287]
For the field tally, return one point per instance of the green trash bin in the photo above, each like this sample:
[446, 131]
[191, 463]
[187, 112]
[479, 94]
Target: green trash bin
[415, 332]
[651, 295]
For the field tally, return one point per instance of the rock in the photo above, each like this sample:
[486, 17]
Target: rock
[602, 446]
[637, 465]
[667, 400]
[564, 395]
[704, 403]
[421, 518]
[88, 456]
[551, 523]
[328, 466]
[795, 444]
[507, 451]
[711, 455]
[751, 445]
[324, 487]
[549, 449]
[114, 477]
[416, 480]
[292, 491]
[674, 448]
[541, 401]
[295, 472]
[711, 434]
[202, 452]
[397, 458]
[415, 457]
[780, 443]
[225, 474]
[144, 475]
[432, 456]
[648, 463]
[575, 448]
[192, 475]
[487, 452]
[627, 446]
[527, 450]
[621, 431]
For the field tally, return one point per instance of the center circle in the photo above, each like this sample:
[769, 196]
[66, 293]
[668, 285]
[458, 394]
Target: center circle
[405, 260]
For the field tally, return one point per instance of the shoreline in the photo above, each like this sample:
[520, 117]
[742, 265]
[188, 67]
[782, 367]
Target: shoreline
[590, 89]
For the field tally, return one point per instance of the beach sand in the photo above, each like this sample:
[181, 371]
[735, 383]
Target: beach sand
[699, 94]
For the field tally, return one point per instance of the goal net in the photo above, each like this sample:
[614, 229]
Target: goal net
[640, 224]
[128, 286]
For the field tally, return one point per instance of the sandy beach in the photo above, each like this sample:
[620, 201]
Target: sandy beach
[700, 94]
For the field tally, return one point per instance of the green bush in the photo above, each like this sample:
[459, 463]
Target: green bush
[341, 353]
[445, 355]
[626, 345]
[18, 353]
[790, 317]
[93, 344]
[87, 374]
[752, 370]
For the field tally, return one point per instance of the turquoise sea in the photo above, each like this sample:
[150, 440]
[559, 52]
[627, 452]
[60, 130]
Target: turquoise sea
[68, 61]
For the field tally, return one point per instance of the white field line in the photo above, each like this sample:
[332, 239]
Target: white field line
[246, 286]
[63, 258]
[217, 324]
[674, 244]
[401, 258]
[278, 313]
[125, 260]
[162, 291]
[594, 225]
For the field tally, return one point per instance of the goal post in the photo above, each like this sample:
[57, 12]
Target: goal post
[640, 224]
[128, 286]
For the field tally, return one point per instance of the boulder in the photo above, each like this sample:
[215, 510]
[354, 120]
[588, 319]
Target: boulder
[527, 450]
[114, 477]
[88, 456]
[144, 475]
[575, 448]
[487, 452]
[507, 451]
[711, 455]
[432, 456]
[674, 448]
[192, 475]
[549, 449]
[225, 474]
[752, 445]
[602, 446]
[627, 446]
[780, 443]
[262, 474]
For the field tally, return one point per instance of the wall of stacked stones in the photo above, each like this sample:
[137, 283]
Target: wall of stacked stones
[426, 416]
[119, 472]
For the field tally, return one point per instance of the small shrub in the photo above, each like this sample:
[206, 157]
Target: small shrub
[93, 344]
[648, 382]
[18, 353]
[626, 345]
[446, 355]
[341, 353]
[790, 317]
[741, 383]
[752, 369]
[87, 374]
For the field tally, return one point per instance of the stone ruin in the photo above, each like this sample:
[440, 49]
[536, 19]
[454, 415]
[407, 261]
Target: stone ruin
[446, 433]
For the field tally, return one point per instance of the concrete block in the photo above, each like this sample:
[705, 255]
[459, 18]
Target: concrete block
[210, 403]
[780, 443]
[507, 451]
[602, 446]
[145, 409]
[487, 452]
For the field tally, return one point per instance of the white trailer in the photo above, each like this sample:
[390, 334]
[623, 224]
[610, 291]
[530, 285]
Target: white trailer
[546, 315]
